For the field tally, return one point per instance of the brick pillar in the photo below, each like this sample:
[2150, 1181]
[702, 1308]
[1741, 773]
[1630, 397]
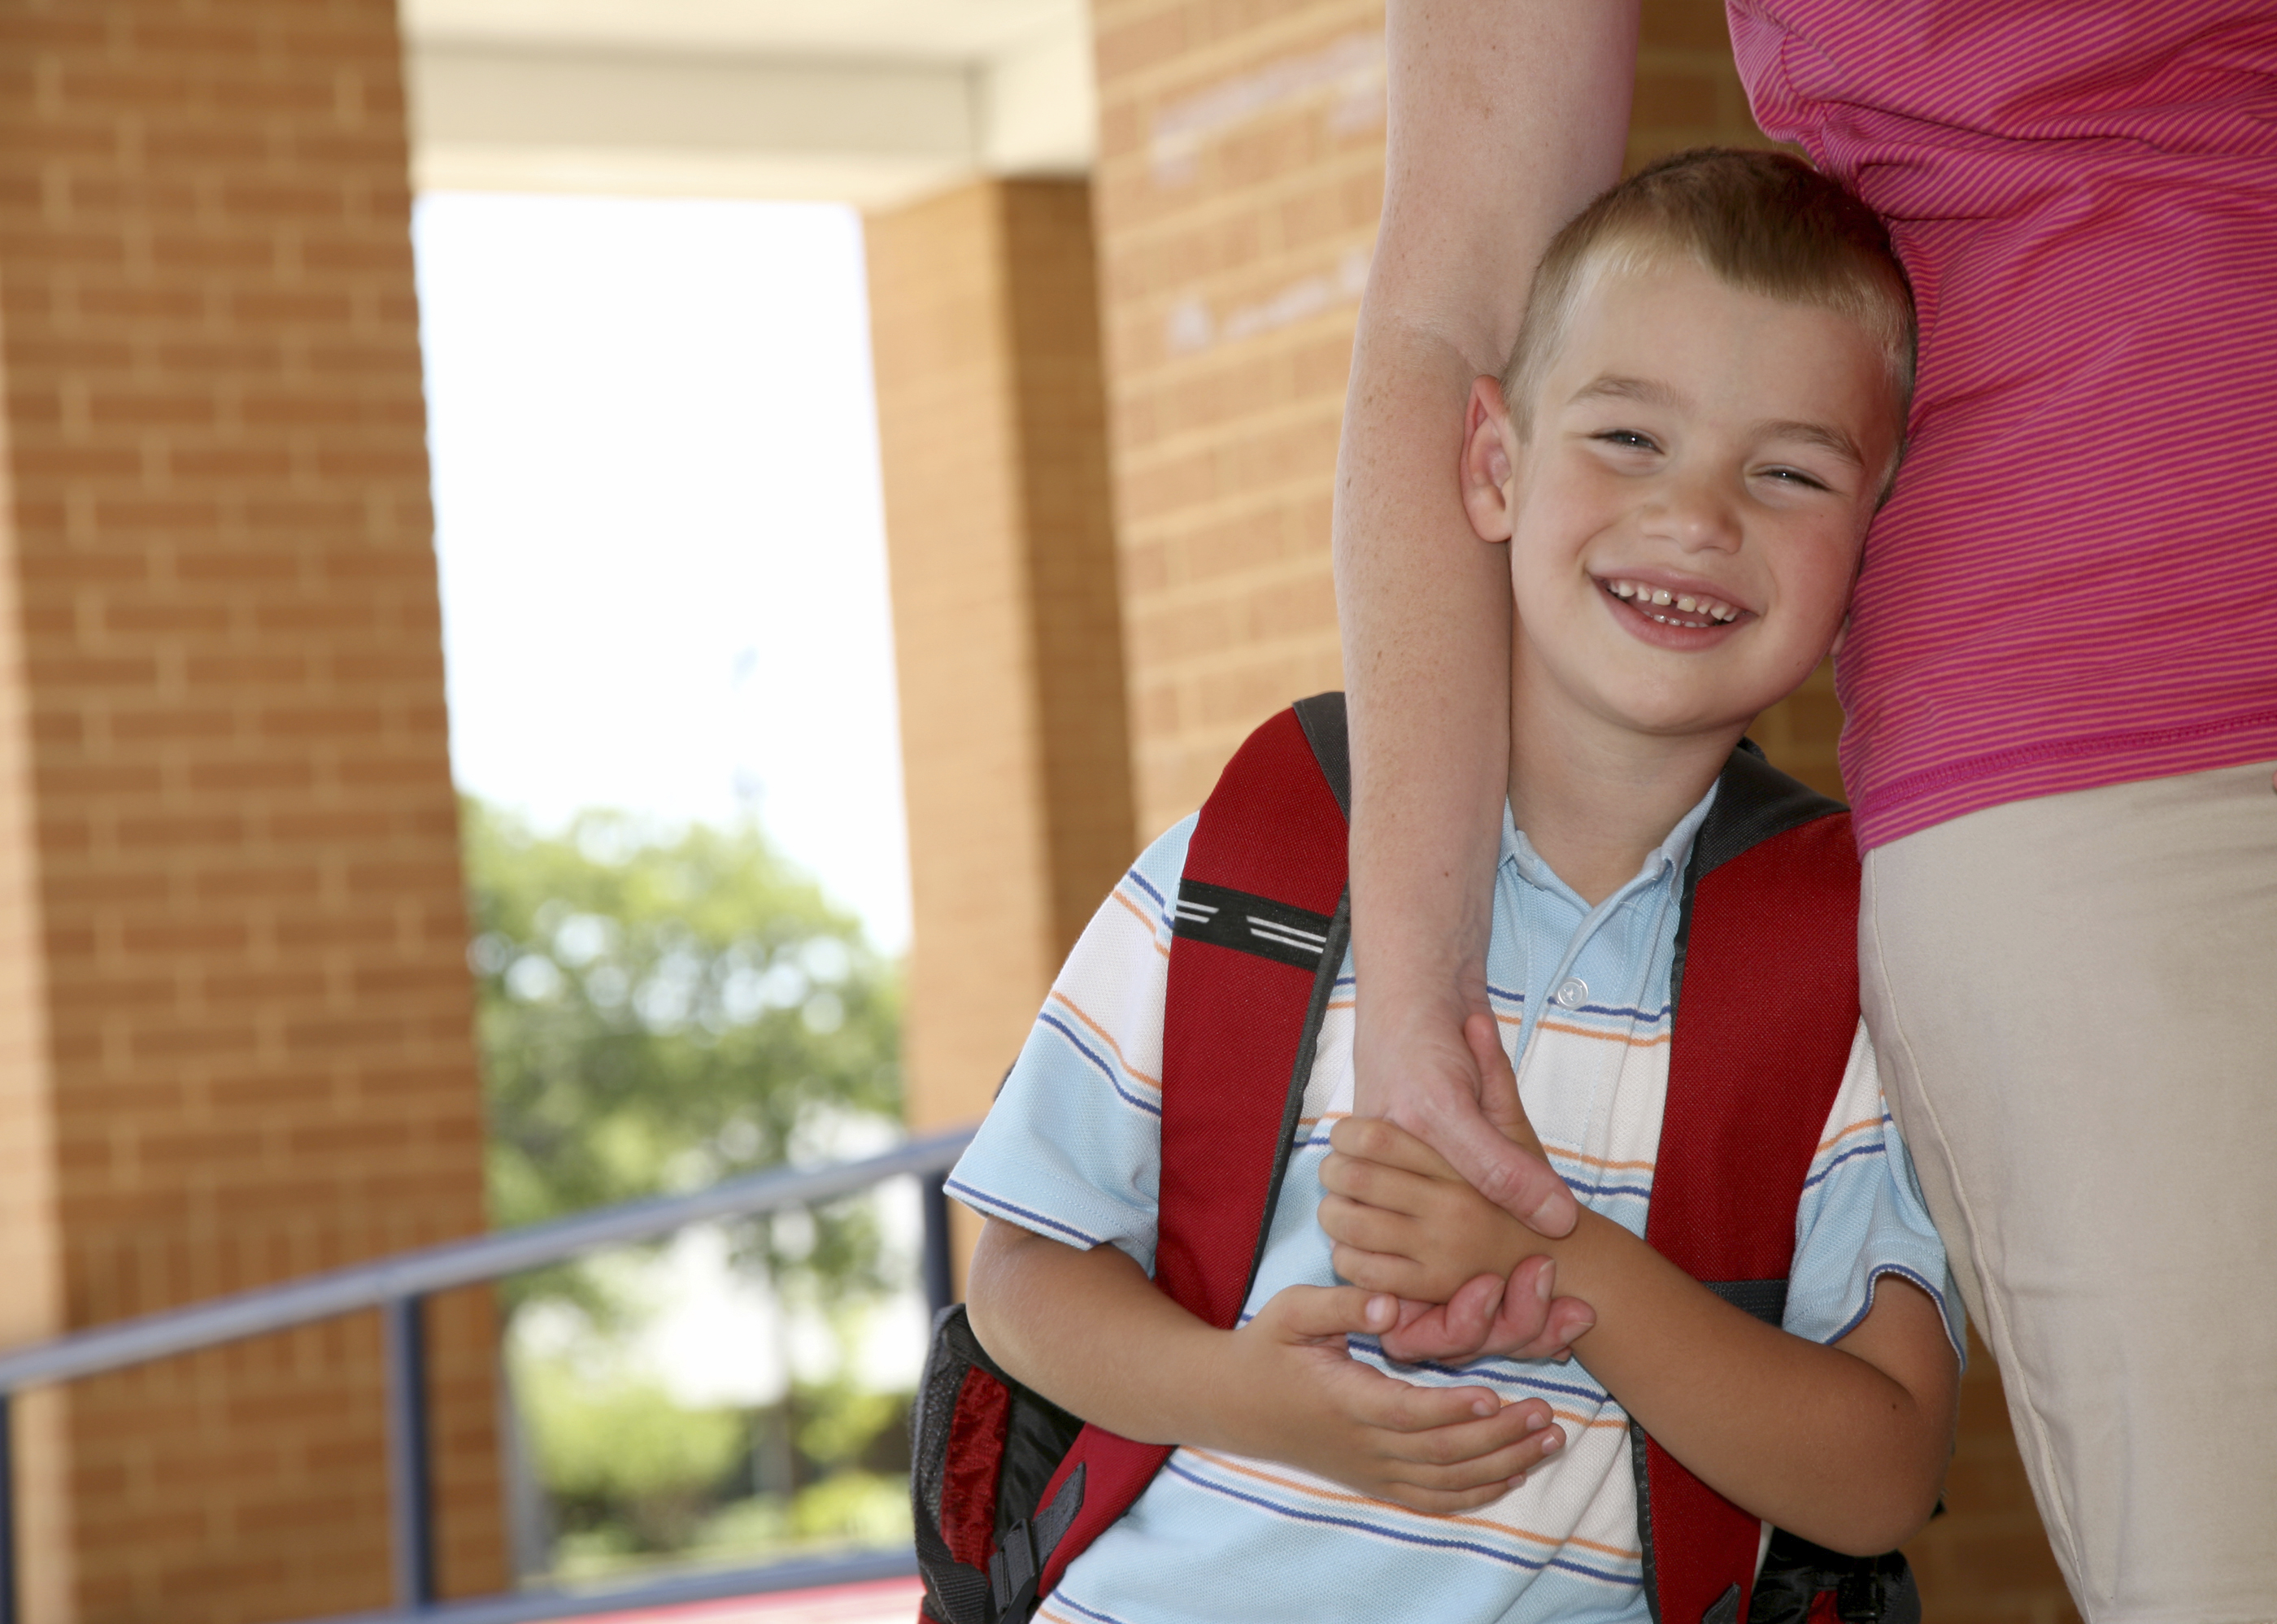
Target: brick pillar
[234, 1016]
[1239, 177]
[1008, 636]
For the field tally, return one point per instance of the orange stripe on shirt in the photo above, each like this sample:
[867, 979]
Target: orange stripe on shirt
[1345, 1498]
[1106, 1037]
[1839, 1135]
[1605, 1037]
[1151, 922]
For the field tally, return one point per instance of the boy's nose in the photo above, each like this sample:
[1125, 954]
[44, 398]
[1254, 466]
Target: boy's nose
[1694, 515]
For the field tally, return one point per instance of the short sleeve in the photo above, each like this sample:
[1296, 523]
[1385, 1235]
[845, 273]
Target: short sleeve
[1072, 1148]
[1862, 1217]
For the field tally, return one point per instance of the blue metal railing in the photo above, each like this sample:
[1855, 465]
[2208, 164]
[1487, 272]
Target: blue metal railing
[398, 1287]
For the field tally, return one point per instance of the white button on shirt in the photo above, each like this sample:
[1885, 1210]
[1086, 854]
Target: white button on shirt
[1572, 993]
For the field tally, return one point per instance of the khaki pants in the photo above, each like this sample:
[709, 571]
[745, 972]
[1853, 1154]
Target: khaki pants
[2075, 1000]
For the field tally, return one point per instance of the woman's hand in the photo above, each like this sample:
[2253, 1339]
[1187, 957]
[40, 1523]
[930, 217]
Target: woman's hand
[1497, 1296]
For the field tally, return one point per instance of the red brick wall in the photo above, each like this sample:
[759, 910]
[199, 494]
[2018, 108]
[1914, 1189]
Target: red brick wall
[231, 927]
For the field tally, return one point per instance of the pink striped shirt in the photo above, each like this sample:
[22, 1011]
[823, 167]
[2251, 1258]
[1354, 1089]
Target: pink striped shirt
[2076, 582]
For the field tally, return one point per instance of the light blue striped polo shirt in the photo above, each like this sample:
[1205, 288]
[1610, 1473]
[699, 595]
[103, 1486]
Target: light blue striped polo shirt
[1072, 1150]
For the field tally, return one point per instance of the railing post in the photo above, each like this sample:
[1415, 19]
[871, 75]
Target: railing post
[939, 1278]
[7, 1507]
[410, 1481]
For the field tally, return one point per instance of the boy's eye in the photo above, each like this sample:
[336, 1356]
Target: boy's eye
[1627, 439]
[1796, 477]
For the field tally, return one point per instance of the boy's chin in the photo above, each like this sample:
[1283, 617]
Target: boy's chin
[1674, 721]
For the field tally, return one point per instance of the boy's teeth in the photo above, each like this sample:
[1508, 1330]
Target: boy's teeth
[1661, 598]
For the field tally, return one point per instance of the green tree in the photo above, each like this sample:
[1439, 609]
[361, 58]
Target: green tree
[659, 1013]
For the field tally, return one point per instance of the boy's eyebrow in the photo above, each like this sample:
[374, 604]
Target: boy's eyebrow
[1612, 385]
[1824, 436]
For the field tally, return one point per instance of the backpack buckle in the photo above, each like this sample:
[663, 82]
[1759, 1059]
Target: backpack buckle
[1014, 1567]
[1858, 1597]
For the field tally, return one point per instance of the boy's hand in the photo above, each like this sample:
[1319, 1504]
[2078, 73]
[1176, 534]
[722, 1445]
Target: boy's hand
[1293, 1394]
[1404, 1222]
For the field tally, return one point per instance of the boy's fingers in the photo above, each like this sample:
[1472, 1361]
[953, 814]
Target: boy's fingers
[1495, 1467]
[1370, 1228]
[1379, 1183]
[1474, 1438]
[1392, 1406]
[1389, 1272]
[1440, 1503]
[1380, 1140]
[1306, 1313]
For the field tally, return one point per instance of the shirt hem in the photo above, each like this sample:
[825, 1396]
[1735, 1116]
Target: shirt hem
[1938, 795]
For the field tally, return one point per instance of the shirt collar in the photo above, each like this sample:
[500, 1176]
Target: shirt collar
[1664, 863]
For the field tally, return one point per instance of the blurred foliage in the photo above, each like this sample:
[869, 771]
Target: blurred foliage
[618, 1453]
[632, 1475]
[657, 1013]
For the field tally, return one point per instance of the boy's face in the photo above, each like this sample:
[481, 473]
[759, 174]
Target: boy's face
[1685, 516]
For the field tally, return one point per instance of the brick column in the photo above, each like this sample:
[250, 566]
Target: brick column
[234, 1017]
[1007, 632]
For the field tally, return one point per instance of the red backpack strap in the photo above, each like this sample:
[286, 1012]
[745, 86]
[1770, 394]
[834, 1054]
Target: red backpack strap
[1766, 994]
[1260, 928]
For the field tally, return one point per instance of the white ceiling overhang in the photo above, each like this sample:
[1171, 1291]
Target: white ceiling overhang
[872, 101]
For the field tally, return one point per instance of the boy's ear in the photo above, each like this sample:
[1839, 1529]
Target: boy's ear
[1490, 454]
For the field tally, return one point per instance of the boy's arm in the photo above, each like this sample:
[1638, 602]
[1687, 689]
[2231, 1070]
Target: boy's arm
[1090, 1331]
[1844, 1445]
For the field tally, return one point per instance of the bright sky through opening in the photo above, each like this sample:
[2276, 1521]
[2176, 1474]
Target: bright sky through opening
[659, 521]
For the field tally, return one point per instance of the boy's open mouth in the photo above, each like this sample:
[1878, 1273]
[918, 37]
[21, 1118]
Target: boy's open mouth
[1684, 609]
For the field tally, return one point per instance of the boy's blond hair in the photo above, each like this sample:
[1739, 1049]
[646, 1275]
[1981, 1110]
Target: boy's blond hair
[1763, 222]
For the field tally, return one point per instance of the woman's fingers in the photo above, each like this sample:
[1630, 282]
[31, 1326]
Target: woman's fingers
[1499, 1099]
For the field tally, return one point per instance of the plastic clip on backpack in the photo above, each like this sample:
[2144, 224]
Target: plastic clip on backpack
[1007, 1489]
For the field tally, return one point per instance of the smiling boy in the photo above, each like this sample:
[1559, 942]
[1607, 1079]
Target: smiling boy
[1697, 423]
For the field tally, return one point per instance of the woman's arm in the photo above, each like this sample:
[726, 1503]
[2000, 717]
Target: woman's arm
[1844, 1445]
[1090, 1331]
[1506, 116]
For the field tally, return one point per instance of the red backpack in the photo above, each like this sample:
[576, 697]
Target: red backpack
[1007, 1489]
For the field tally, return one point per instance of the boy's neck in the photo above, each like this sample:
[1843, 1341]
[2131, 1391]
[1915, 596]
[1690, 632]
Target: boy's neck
[1594, 801]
